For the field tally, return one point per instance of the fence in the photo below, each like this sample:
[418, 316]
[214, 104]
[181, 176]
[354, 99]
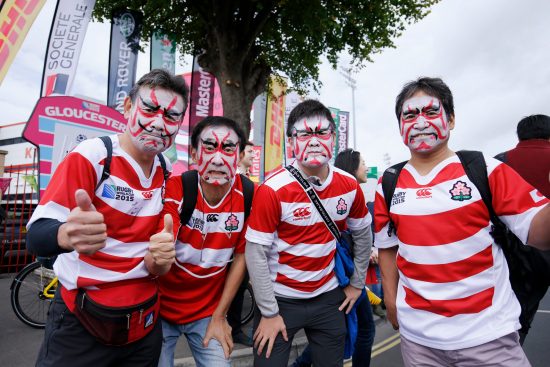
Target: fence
[17, 205]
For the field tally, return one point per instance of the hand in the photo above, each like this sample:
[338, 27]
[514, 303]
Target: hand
[267, 332]
[374, 257]
[391, 314]
[161, 245]
[352, 294]
[85, 231]
[219, 329]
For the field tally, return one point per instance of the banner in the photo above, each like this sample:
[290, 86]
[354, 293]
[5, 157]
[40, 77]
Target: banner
[259, 108]
[254, 171]
[4, 184]
[16, 19]
[67, 34]
[292, 99]
[163, 53]
[59, 123]
[342, 133]
[274, 126]
[125, 31]
[372, 172]
[334, 112]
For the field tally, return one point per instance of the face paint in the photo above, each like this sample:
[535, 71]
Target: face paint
[313, 141]
[155, 118]
[218, 154]
[424, 123]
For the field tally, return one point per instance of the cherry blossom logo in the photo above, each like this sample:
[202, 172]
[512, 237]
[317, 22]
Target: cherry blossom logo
[460, 191]
[232, 223]
[342, 207]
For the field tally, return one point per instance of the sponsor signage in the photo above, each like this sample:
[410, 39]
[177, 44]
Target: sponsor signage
[274, 126]
[59, 123]
[16, 18]
[255, 168]
[258, 122]
[292, 100]
[335, 116]
[372, 172]
[342, 131]
[163, 53]
[125, 31]
[67, 34]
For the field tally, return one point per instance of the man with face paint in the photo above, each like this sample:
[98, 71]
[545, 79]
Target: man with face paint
[104, 233]
[445, 279]
[210, 264]
[290, 251]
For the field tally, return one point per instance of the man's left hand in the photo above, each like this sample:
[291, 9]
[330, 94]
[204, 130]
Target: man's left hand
[219, 329]
[352, 294]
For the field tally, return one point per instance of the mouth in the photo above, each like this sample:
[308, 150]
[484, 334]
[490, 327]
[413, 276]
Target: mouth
[423, 136]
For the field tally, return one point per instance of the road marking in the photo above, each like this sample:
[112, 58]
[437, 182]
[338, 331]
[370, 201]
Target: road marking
[543, 311]
[382, 350]
[385, 341]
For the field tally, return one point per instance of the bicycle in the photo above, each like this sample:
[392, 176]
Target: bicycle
[32, 292]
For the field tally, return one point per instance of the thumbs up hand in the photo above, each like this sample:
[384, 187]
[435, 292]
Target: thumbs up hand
[162, 251]
[85, 231]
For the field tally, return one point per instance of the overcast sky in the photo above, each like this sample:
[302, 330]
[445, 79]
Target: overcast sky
[493, 54]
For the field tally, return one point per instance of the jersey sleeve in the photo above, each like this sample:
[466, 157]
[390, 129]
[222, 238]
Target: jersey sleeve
[359, 216]
[515, 201]
[173, 199]
[265, 216]
[382, 221]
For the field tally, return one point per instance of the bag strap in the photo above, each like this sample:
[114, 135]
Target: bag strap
[190, 182]
[389, 182]
[165, 171]
[501, 157]
[248, 194]
[316, 201]
[107, 162]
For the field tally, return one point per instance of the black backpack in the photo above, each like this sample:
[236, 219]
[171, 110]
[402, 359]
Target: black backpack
[190, 182]
[529, 268]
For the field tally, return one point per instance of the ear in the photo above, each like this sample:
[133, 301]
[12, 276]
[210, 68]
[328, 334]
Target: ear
[194, 155]
[452, 122]
[127, 107]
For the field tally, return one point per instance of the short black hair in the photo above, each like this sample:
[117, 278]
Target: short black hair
[308, 108]
[534, 127]
[348, 160]
[217, 121]
[162, 78]
[248, 144]
[434, 87]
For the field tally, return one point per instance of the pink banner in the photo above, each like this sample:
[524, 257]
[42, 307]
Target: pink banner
[4, 184]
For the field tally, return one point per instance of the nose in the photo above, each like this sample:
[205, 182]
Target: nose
[421, 123]
[314, 141]
[158, 122]
[217, 159]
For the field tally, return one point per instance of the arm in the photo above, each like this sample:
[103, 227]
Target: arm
[271, 322]
[42, 238]
[539, 230]
[218, 328]
[390, 281]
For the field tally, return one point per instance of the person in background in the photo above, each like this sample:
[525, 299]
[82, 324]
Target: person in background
[246, 159]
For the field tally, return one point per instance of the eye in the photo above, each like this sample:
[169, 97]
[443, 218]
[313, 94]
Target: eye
[324, 133]
[432, 113]
[409, 115]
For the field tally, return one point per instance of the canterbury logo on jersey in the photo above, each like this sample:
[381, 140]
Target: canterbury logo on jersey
[147, 195]
[424, 193]
[536, 196]
[302, 213]
[118, 193]
[212, 218]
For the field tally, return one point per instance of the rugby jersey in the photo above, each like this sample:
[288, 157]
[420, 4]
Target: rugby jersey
[453, 289]
[192, 289]
[130, 204]
[301, 248]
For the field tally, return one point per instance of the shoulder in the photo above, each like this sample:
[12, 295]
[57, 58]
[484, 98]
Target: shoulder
[279, 180]
[92, 149]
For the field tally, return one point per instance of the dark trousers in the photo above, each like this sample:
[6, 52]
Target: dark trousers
[67, 343]
[323, 323]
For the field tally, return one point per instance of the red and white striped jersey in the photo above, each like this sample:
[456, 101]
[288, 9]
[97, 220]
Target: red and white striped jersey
[130, 204]
[453, 290]
[204, 247]
[301, 254]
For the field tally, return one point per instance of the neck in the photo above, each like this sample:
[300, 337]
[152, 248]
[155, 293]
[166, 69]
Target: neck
[425, 162]
[144, 159]
[213, 194]
[243, 168]
[321, 171]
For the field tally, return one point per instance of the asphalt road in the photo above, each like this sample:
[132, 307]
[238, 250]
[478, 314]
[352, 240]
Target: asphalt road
[19, 343]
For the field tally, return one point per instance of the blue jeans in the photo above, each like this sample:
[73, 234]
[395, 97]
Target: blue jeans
[211, 356]
[363, 345]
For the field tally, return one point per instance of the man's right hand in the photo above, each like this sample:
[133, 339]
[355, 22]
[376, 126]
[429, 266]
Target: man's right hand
[85, 231]
[391, 314]
[267, 332]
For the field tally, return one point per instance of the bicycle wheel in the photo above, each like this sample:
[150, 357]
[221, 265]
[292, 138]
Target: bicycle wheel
[27, 296]
[249, 304]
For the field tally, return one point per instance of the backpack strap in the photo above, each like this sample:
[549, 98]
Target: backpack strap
[248, 193]
[165, 171]
[501, 157]
[389, 182]
[107, 162]
[190, 182]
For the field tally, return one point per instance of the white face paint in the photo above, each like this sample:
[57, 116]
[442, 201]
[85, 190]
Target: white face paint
[313, 141]
[424, 123]
[218, 154]
[154, 119]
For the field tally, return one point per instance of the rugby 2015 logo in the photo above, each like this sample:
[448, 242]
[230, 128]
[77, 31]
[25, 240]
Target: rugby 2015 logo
[118, 192]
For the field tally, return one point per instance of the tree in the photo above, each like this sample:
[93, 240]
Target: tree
[242, 42]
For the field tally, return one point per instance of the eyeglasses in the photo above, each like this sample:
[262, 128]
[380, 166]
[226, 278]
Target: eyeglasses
[306, 134]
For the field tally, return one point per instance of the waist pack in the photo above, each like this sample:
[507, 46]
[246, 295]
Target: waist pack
[112, 325]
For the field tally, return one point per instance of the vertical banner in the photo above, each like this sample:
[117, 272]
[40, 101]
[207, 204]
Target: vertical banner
[255, 168]
[259, 108]
[274, 126]
[342, 135]
[16, 18]
[163, 52]
[292, 100]
[69, 26]
[335, 116]
[125, 31]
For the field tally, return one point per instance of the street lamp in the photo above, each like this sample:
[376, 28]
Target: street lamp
[352, 83]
